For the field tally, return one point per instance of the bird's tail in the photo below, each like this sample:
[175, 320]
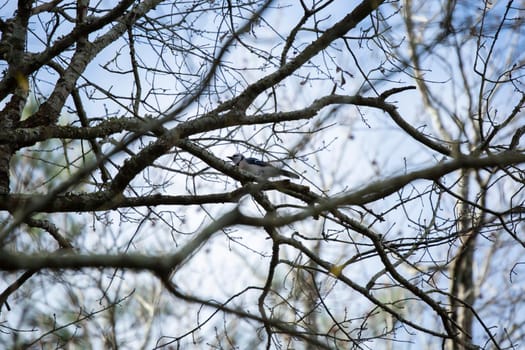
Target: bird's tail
[289, 174]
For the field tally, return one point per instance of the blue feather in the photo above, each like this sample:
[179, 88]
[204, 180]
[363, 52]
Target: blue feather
[256, 162]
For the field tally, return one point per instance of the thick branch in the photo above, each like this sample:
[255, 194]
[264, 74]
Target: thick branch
[162, 265]
[32, 63]
[349, 22]
[29, 136]
[101, 201]
[383, 188]
[212, 121]
[372, 192]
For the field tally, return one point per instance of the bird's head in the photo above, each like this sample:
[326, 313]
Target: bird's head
[236, 158]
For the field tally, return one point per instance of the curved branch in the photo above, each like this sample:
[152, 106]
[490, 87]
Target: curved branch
[338, 30]
[275, 323]
[101, 201]
[36, 61]
[162, 265]
[24, 137]
[107, 200]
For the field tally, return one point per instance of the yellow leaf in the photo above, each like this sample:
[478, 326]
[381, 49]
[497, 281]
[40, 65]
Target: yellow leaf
[336, 270]
[22, 81]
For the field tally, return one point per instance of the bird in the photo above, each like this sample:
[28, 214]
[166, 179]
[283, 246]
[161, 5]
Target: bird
[259, 168]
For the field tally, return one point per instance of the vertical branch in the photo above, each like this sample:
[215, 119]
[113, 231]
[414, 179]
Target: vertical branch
[415, 56]
[272, 232]
[462, 277]
[266, 289]
[136, 76]
[14, 34]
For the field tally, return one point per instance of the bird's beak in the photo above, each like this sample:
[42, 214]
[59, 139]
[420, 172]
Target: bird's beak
[231, 157]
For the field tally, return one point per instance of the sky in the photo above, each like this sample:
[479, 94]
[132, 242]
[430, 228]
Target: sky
[364, 144]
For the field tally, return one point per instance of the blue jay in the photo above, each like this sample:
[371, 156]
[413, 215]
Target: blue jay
[259, 168]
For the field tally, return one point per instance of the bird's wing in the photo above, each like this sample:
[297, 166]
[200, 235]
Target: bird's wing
[256, 162]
